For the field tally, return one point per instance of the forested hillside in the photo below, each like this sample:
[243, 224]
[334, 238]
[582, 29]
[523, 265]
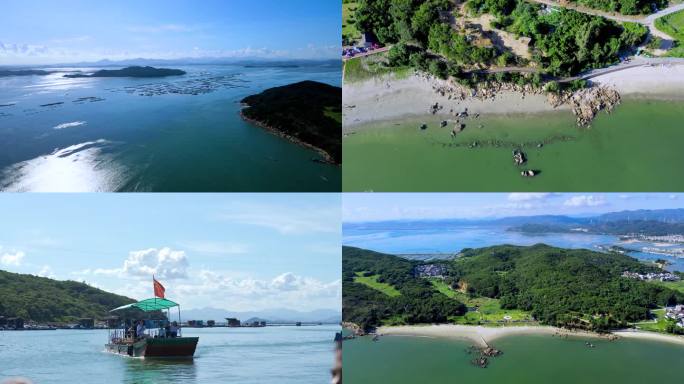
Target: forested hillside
[561, 287]
[45, 300]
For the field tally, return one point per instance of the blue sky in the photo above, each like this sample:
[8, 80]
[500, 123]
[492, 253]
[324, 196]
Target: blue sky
[47, 31]
[360, 207]
[232, 251]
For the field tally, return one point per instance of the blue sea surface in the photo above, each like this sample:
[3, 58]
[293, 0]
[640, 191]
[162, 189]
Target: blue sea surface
[181, 133]
[301, 355]
[426, 238]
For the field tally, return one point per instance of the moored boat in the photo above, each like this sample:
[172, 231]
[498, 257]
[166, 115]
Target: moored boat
[151, 337]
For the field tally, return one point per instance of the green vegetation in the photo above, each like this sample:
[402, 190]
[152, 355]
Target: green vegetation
[563, 43]
[132, 72]
[308, 111]
[567, 42]
[561, 287]
[673, 25]
[349, 32]
[45, 300]
[418, 303]
[372, 282]
[675, 285]
[368, 67]
[626, 7]
[489, 311]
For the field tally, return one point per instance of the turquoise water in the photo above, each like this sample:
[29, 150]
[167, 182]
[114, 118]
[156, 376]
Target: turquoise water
[224, 355]
[429, 238]
[530, 359]
[127, 134]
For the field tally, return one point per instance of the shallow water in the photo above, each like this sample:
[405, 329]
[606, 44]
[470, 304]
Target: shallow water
[526, 360]
[127, 134]
[633, 149]
[224, 355]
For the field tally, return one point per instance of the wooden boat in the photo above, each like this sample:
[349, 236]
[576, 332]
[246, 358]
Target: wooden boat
[156, 342]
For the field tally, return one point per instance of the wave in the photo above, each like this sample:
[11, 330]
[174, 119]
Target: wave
[70, 125]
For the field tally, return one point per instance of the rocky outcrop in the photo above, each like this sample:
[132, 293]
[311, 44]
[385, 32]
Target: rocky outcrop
[588, 102]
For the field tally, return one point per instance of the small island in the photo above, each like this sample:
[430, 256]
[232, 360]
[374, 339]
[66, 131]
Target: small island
[132, 72]
[308, 113]
[23, 72]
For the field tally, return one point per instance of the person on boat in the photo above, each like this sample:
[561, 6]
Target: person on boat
[173, 329]
[140, 329]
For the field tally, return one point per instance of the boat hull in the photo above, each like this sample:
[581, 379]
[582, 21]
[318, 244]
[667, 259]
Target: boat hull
[157, 347]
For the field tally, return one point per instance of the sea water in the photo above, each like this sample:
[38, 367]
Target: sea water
[162, 134]
[224, 355]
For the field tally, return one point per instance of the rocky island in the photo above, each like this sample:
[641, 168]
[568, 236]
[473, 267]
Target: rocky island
[23, 72]
[307, 113]
[131, 72]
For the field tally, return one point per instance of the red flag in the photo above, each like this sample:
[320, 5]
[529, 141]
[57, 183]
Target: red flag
[158, 288]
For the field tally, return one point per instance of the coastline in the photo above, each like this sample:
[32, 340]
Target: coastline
[482, 336]
[387, 98]
[328, 159]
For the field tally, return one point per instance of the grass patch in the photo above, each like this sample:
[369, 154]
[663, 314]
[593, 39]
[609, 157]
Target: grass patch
[672, 24]
[676, 285]
[348, 22]
[660, 325]
[333, 114]
[368, 67]
[372, 282]
[489, 311]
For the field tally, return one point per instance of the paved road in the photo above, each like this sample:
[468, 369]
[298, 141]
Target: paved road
[373, 52]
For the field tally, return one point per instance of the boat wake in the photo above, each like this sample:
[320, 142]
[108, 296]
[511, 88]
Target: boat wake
[83, 167]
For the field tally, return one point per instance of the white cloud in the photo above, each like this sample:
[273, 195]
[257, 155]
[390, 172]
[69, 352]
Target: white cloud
[584, 201]
[285, 290]
[46, 271]
[527, 196]
[299, 220]
[12, 258]
[215, 247]
[164, 263]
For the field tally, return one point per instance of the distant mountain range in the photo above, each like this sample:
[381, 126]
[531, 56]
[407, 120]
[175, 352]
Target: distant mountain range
[247, 62]
[644, 221]
[270, 315]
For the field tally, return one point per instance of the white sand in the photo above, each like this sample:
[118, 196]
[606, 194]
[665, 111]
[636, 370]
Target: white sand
[630, 334]
[387, 98]
[482, 336]
[660, 81]
[476, 334]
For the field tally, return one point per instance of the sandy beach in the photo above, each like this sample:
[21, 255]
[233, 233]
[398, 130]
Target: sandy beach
[479, 335]
[387, 98]
[483, 336]
[632, 334]
[664, 81]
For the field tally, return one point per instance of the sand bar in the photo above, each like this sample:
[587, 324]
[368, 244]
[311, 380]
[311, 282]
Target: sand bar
[479, 335]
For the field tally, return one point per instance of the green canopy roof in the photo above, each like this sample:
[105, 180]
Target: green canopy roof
[148, 305]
